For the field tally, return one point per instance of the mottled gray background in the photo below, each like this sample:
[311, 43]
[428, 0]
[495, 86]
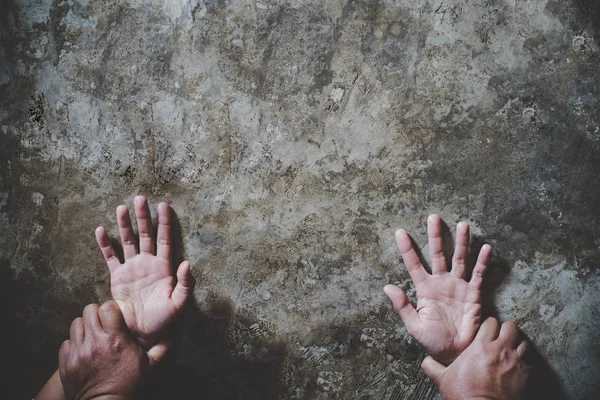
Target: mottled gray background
[292, 139]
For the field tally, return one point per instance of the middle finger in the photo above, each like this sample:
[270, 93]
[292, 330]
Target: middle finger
[436, 245]
[144, 222]
[460, 250]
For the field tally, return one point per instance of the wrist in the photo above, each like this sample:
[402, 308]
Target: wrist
[455, 396]
[467, 398]
[477, 398]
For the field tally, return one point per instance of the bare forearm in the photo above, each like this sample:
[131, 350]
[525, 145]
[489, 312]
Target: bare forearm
[52, 390]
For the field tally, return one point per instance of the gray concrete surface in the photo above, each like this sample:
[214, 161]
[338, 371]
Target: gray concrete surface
[292, 138]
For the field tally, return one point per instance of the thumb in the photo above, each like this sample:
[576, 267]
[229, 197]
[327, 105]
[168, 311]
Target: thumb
[158, 351]
[405, 309]
[185, 285]
[433, 369]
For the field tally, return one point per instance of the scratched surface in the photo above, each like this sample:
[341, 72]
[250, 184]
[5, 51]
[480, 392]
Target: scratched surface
[292, 139]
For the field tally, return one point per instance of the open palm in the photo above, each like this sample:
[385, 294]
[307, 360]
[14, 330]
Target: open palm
[448, 310]
[143, 285]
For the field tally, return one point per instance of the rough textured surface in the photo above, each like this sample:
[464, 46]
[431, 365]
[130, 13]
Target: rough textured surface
[292, 138]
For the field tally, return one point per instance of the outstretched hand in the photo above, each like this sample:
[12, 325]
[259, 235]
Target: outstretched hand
[448, 310]
[143, 285]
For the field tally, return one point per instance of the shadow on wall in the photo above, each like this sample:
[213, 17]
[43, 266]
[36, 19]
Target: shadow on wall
[212, 361]
[221, 354]
[15, 354]
[18, 358]
[218, 354]
[590, 13]
[544, 382]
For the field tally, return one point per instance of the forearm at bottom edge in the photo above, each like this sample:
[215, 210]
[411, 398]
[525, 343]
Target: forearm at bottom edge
[52, 390]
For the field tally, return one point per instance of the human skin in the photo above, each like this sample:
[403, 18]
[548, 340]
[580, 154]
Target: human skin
[53, 389]
[143, 285]
[491, 368]
[101, 360]
[448, 310]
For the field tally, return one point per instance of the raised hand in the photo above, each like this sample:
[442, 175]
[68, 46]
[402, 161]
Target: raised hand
[448, 309]
[143, 285]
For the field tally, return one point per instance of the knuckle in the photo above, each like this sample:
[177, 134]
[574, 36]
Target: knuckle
[93, 351]
[117, 344]
[511, 326]
[72, 364]
[85, 352]
[511, 329]
[128, 242]
[64, 349]
[90, 308]
[107, 306]
[491, 355]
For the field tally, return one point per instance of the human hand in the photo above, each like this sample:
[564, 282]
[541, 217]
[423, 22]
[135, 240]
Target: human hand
[448, 307]
[144, 286]
[491, 368]
[101, 359]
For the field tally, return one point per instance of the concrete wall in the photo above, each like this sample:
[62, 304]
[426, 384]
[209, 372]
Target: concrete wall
[292, 139]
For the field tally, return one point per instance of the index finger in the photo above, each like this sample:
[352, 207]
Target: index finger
[111, 318]
[91, 322]
[488, 331]
[410, 257]
[126, 231]
[110, 256]
[509, 333]
[163, 237]
[482, 262]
